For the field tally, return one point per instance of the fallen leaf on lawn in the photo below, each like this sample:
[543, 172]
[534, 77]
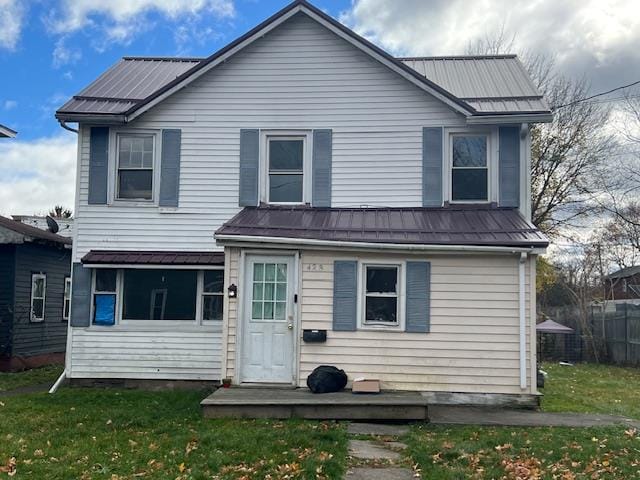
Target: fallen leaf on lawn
[506, 446]
[109, 422]
[191, 446]
[132, 443]
[447, 445]
[10, 468]
[182, 467]
[631, 432]
[1, 404]
[38, 453]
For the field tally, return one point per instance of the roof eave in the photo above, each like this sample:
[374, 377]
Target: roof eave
[509, 117]
[7, 132]
[104, 119]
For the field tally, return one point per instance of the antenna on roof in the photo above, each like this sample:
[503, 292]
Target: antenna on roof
[52, 224]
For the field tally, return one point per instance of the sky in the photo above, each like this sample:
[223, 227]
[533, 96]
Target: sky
[50, 50]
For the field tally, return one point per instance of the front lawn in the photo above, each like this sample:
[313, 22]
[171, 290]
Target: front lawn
[37, 376]
[592, 388]
[117, 434]
[525, 453]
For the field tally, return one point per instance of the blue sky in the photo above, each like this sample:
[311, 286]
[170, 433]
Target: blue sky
[51, 49]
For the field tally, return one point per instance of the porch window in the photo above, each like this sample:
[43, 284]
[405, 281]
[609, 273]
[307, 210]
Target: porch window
[381, 295]
[66, 298]
[285, 169]
[135, 167]
[159, 294]
[38, 296]
[469, 168]
[104, 296]
[212, 294]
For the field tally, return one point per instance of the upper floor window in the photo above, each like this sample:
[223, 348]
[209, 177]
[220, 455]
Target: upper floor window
[135, 167]
[38, 296]
[469, 168]
[285, 169]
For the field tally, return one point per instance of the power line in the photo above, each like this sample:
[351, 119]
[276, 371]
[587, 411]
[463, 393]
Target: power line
[597, 95]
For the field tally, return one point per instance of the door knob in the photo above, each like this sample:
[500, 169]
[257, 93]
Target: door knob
[290, 326]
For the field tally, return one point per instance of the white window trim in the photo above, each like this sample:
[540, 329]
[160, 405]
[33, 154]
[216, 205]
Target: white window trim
[34, 277]
[265, 135]
[155, 324]
[65, 299]
[113, 167]
[492, 163]
[362, 287]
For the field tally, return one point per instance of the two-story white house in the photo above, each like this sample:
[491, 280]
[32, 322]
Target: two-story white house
[303, 198]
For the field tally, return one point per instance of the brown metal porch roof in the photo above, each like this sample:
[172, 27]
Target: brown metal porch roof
[480, 226]
[113, 257]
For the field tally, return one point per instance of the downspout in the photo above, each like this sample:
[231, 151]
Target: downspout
[522, 321]
[64, 125]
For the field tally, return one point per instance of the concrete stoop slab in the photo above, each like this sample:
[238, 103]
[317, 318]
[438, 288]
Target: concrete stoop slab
[367, 473]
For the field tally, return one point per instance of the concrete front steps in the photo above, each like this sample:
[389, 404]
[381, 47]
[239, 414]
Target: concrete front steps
[239, 402]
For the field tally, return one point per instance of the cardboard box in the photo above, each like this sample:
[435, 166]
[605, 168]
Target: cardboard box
[365, 385]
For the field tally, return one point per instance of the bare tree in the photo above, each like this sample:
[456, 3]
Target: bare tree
[59, 211]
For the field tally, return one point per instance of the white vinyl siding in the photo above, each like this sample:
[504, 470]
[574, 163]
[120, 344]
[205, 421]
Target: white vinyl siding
[473, 345]
[298, 77]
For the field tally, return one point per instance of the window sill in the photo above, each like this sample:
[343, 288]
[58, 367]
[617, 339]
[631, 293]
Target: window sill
[381, 328]
[124, 203]
[156, 327]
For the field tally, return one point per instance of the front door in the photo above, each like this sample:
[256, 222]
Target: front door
[268, 320]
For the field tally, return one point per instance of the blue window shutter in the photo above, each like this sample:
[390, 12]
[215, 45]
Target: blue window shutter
[509, 166]
[418, 286]
[249, 167]
[80, 296]
[321, 168]
[98, 165]
[170, 168]
[432, 167]
[345, 295]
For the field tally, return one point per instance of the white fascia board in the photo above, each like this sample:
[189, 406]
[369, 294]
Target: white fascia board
[243, 240]
[510, 119]
[222, 58]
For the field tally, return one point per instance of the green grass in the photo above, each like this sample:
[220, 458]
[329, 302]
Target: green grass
[117, 434]
[13, 380]
[525, 453]
[592, 388]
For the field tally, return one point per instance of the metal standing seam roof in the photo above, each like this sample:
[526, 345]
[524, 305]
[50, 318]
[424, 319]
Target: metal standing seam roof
[7, 132]
[490, 226]
[33, 232]
[549, 326]
[113, 257]
[495, 84]
[489, 83]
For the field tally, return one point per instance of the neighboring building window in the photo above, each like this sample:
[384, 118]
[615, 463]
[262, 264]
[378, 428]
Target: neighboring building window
[285, 161]
[135, 167]
[212, 294]
[159, 294]
[66, 299]
[469, 168]
[624, 285]
[104, 296]
[381, 295]
[38, 296]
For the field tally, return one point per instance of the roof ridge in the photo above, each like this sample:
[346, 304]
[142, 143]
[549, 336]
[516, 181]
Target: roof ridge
[161, 58]
[501, 56]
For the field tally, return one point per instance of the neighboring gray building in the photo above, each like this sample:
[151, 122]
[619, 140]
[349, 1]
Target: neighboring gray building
[35, 288]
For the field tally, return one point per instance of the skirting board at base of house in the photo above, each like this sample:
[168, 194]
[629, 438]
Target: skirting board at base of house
[525, 400]
[142, 384]
[19, 363]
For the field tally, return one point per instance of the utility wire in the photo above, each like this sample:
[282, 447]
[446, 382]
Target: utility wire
[597, 95]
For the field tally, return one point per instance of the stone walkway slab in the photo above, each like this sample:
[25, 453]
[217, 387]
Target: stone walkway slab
[364, 473]
[395, 445]
[454, 415]
[366, 450]
[377, 429]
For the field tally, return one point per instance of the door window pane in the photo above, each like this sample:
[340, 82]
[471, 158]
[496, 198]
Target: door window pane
[159, 295]
[269, 291]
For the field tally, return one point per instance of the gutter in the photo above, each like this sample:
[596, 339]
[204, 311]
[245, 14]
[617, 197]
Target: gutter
[522, 321]
[510, 118]
[64, 125]
[222, 238]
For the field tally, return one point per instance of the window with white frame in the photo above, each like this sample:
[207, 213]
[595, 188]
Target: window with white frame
[38, 296]
[381, 295]
[469, 167]
[212, 294]
[134, 178]
[66, 299]
[285, 169]
[157, 295]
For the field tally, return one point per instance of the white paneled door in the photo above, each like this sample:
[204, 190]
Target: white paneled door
[268, 320]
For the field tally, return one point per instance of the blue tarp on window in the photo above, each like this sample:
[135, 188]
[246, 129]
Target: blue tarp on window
[105, 307]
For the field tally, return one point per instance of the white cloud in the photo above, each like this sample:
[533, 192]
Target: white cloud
[10, 104]
[37, 174]
[598, 37]
[63, 55]
[119, 21]
[11, 19]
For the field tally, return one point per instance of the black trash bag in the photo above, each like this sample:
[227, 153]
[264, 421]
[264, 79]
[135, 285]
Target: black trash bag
[325, 379]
